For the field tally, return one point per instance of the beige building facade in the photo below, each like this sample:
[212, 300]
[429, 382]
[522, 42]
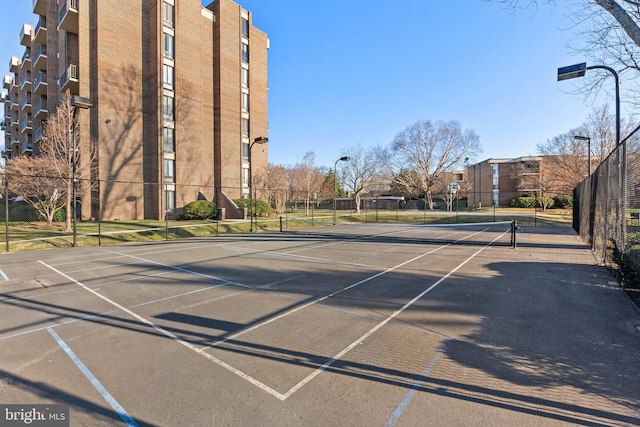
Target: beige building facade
[179, 92]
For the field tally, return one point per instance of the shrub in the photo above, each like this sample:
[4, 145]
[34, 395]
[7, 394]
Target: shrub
[23, 213]
[523, 202]
[261, 208]
[58, 216]
[200, 209]
[530, 202]
[563, 201]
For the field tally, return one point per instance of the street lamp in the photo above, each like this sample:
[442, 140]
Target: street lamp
[84, 103]
[335, 183]
[579, 70]
[588, 139]
[259, 140]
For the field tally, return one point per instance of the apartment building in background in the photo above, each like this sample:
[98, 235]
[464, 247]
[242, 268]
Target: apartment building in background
[179, 91]
[495, 182]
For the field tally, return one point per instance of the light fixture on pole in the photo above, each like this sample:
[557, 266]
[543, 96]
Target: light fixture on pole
[579, 70]
[588, 139]
[335, 183]
[259, 140]
[83, 103]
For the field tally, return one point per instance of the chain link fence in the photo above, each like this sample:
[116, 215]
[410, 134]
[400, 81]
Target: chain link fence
[607, 212]
[37, 212]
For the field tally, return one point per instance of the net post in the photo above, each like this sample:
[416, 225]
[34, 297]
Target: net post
[514, 227]
[281, 224]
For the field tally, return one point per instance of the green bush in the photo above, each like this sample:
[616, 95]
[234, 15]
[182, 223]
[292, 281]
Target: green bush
[523, 202]
[563, 201]
[58, 216]
[261, 208]
[23, 213]
[530, 202]
[200, 209]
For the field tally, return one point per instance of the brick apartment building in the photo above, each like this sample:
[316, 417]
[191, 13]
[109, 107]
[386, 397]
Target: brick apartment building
[178, 90]
[495, 182]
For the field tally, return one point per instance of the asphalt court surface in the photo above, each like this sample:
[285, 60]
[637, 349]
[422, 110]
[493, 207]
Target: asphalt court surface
[389, 328]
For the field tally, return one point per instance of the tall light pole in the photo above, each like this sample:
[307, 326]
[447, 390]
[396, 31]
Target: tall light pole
[259, 140]
[84, 103]
[335, 183]
[588, 139]
[579, 70]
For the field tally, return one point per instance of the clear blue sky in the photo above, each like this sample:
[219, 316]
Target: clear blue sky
[348, 72]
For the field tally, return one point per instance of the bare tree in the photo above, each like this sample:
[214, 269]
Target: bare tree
[272, 186]
[306, 180]
[32, 179]
[57, 147]
[430, 149]
[609, 35]
[568, 157]
[361, 170]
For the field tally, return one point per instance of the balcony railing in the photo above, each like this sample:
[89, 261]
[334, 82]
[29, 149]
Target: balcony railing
[41, 80]
[26, 125]
[26, 81]
[26, 102]
[41, 57]
[69, 17]
[37, 135]
[26, 146]
[69, 79]
[40, 109]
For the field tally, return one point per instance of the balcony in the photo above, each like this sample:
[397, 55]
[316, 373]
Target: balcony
[40, 83]
[8, 81]
[41, 57]
[40, 7]
[41, 31]
[40, 111]
[14, 103]
[25, 35]
[26, 126]
[26, 147]
[15, 142]
[26, 103]
[25, 84]
[69, 80]
[37, 135]
[69, 17]
[14, 64]
[26, 58]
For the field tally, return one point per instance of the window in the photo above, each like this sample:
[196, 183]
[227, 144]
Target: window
[168, 138]
[245, 102]
[245, 77]
[245, 176]
[168, 15]
[245, 127]
[169, 46]
[168, 107]
[245, 151]
[170, 200]
[245, 27]
[169, 170]
[167, 76]
[245, 53]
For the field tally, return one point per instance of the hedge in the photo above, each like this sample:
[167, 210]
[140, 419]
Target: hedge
[200, 209]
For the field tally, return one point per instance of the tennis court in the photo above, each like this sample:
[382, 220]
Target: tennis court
[341, 325]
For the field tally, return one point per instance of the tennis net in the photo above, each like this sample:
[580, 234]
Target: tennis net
[501, 233]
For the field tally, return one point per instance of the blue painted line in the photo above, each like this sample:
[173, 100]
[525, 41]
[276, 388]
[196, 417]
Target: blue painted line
[405, 402]
[94, 381]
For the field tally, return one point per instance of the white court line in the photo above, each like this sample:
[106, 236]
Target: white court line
[405, 402]
[93, 380]
[380, 325]
[174, 337]
[4, 276]
[307, 379]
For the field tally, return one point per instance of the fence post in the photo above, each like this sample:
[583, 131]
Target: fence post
[6, 210]
[281, 223]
